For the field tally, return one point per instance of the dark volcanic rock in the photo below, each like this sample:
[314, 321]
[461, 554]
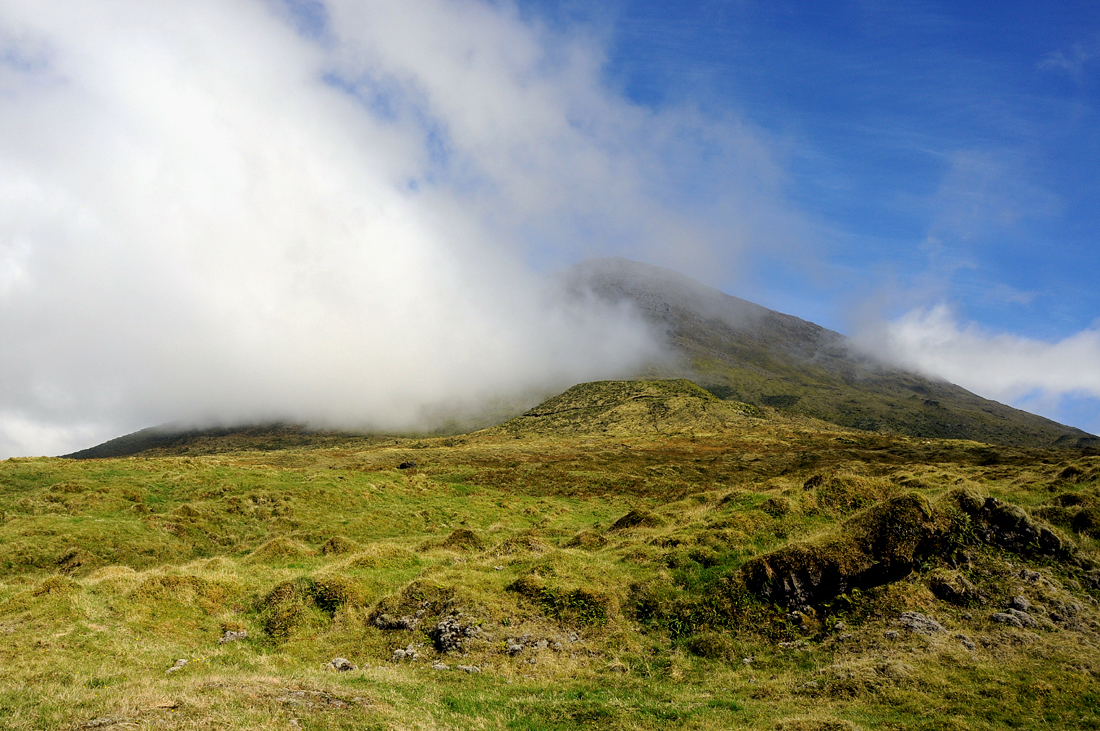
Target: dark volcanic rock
[953, 587]
[874, 547]
[920, 623]
[451, 632]
[888, 540]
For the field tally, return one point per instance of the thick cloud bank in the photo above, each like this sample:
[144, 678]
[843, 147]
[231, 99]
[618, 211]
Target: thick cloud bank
[1030, 373]
[228, 210]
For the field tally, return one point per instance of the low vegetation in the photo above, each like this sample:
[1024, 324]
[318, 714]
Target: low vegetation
[631, 565]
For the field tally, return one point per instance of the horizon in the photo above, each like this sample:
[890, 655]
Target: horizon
[347, 212]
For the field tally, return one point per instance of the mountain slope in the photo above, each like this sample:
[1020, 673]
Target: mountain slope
[175, 440]
[744, 352]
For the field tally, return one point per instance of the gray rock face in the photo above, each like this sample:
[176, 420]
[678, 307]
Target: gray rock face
[389, 622]
[341, 665]
[178, 666]
[920, 623]
[409, 653]
[451, 633]
[1015, 618]
[1025, 619]
[1020, 603]
[1031, 577]
[231, 636]
[1009, 526]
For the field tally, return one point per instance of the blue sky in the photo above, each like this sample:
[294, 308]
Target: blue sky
[939, 152]
[342, 211]
[940, 145]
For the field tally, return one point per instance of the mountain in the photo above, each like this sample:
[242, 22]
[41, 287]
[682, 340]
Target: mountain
[740, 352]
[743, 352]
[179, 440]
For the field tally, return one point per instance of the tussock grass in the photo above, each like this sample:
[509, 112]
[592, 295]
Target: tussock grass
[622, 565]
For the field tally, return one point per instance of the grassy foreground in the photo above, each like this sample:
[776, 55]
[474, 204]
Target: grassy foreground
[598, 580]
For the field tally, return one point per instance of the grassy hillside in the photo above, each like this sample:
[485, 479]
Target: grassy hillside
[748, 353]
[622, 557]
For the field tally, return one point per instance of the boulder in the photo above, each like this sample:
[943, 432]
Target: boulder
[450, 633]
[341, 665]
[880, 544]
[919, 623]
[953, 587]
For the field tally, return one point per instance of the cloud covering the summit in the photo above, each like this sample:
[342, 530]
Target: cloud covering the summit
[229, 210]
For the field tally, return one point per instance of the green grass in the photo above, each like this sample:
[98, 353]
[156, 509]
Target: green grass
[114, 569]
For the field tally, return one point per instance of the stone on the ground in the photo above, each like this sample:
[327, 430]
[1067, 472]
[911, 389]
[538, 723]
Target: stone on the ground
[341, 665]
[232, 636]
[920, 623]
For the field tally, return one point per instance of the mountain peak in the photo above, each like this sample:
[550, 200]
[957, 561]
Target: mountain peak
[745, 352]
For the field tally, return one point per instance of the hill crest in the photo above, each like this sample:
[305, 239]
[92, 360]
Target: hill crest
[632, 407]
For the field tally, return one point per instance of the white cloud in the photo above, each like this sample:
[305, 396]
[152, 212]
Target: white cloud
[1001, 366]
[1073, 60]
[206, 214]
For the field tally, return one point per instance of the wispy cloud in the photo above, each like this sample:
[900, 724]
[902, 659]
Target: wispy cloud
[1073, 60]
[1001, 366]
[245, 209]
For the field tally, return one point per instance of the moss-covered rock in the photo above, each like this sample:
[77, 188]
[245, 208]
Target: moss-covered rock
[637, 519]
[570, 605]
[1087, 521]
[588, 540]
[953, 587]
[886, 541]
[878, 545]
[305, 602]
[338, 546]
[462, 539]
